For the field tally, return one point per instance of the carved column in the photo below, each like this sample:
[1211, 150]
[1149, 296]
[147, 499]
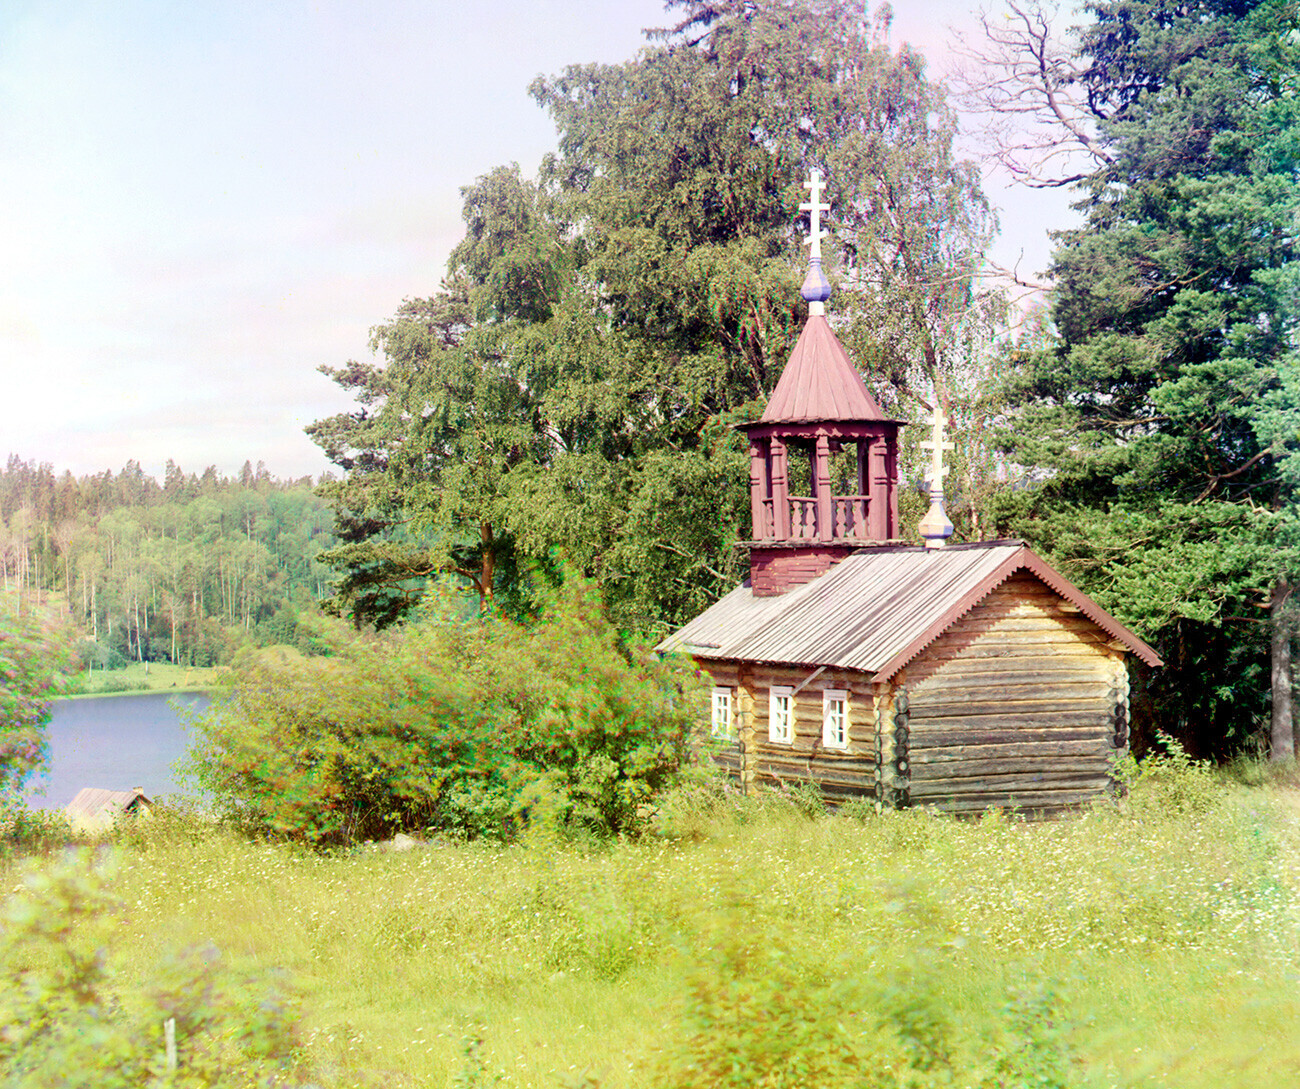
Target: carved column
[822, 489]
[780, 490]
[891, 484]
[878, 512]
[758, 488]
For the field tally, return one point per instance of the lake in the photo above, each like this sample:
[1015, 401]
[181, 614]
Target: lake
[115, 742]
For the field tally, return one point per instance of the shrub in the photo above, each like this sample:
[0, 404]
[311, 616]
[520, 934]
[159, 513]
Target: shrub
[762, 1008]
[91, 654]
[25, 831]
[1169, 783]
[30, 659]
[453, 724]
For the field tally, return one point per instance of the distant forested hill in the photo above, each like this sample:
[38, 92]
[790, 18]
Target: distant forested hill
[183, 571]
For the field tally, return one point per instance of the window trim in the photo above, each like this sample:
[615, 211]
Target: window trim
[780, 692]
[728, 730]
[831, 696]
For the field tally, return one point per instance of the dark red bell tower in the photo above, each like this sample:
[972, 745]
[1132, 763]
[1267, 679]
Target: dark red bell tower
[812, 500]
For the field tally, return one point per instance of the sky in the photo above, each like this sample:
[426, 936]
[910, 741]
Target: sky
[206, 200]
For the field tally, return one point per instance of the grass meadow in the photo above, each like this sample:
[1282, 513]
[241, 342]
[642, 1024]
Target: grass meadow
[1156, 943]
[137, 677]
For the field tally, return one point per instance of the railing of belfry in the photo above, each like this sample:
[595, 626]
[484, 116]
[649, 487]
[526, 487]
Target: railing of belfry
[803, 518]
[850, 516]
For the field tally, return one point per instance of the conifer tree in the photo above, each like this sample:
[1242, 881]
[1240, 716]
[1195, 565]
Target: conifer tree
[1163, 420]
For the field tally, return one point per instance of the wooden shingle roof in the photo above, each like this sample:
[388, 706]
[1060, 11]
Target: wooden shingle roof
[876, 610]
[820, 382]
[97, 805]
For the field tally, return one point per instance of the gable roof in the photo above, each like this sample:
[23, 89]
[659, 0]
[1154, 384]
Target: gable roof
[877, 609]
[820, 382]
[95, 803]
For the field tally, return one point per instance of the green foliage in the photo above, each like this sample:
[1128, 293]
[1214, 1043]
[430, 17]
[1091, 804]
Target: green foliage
[182, 572]
[1080, 950]
[1160, 424]
[1038, 1053]
[81, 685]
[763, 1007]
[30, 658]
[93, 655]
[453, 724]
[68, 1022]
[572, 390]
[26, 832]
[1169, 783]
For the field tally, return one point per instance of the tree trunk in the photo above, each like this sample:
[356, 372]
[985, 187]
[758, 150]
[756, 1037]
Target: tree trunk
[1282, 725]
[487, 570]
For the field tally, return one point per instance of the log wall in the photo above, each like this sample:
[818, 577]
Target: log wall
[725, 675]
[1021, 703]
[757, 761]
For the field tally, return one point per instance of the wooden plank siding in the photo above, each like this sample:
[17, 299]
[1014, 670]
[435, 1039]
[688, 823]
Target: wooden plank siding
[1016, 705]
[757, 761]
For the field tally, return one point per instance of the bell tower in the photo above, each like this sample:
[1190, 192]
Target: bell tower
[823, 458]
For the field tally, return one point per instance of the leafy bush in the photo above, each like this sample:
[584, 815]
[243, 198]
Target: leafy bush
[66, 1024]
[26, 832]
[81, 684]
[1169, 783]
[761, 1008]
[95, 655]
[459, 725]
[30, 660]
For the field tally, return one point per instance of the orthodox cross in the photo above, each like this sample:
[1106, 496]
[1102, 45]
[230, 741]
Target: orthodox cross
[816, 288]
[937, 447]
[814, 207]
[935, 527]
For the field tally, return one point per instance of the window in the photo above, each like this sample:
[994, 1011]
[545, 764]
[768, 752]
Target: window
[835, 719]
[724, 725]
[780, 715]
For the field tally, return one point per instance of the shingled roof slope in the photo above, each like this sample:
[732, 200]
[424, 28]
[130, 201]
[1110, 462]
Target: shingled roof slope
[877, 609]
[820, 383]
[95, 805]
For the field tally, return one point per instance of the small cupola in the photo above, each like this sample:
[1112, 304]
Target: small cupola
[823, 457]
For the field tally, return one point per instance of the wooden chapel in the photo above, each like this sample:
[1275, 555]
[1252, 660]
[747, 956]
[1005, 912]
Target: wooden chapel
[956, 676]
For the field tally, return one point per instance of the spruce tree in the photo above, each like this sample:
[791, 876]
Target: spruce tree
[1163, 421]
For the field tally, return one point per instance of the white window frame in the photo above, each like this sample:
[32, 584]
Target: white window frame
[724, 713]
[780, 714]
[835, 718]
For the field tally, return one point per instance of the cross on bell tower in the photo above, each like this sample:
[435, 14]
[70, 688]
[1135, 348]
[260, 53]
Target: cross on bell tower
[810, 505]
[816, 288]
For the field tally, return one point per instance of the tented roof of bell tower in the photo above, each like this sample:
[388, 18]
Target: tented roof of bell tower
[820, 383]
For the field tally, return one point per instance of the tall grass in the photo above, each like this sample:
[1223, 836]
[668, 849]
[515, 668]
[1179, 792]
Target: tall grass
[1151, 944]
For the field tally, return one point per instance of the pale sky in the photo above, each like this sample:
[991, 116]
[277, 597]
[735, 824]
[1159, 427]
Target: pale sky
[204, 200]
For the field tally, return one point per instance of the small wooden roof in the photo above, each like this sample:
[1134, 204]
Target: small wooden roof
[93, 803]
[877, 609]
[820, 383]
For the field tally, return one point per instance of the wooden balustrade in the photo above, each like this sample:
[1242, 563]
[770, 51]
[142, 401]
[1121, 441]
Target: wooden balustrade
[803, 518]
[850, 517]
[848, 520]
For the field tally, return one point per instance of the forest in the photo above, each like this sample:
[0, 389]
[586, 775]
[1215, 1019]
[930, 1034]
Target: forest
[184, 571]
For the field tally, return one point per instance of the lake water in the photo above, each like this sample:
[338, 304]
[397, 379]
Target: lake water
[115, 742]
